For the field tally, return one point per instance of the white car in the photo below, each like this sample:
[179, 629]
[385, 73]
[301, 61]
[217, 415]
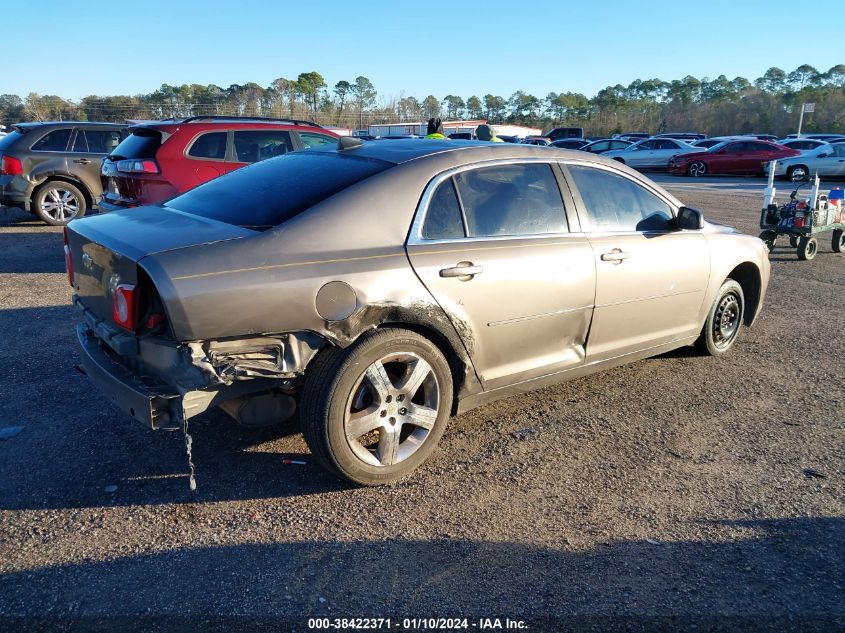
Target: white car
[803, 145]
[825, 160]
[651, 153]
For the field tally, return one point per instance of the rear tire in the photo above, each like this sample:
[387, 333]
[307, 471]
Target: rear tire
[57, 202]
[799, 173]
[837, 243]
[807, 248]
[372, 413]
[724, 320]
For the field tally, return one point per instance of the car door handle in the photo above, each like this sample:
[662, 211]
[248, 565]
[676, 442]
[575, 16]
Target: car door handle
[463, 271]
[616, 256]
[81, 161]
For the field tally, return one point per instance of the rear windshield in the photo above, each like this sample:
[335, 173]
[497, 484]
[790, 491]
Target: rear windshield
[7, 141]
[141, 143]
[271, 192]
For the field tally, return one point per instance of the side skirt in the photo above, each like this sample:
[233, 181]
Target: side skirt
[476, 400]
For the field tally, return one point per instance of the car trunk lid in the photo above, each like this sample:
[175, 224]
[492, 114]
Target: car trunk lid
[105, 250]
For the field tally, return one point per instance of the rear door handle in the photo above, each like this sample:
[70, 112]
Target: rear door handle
[616, 256]
[463, 271]
[81, 161]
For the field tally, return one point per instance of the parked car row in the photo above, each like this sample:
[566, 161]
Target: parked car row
[60, 170]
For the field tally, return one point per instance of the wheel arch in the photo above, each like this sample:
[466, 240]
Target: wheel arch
[748, 276]
[89, 199]
[426, 320]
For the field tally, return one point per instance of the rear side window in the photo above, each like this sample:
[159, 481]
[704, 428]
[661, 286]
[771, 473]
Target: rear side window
[142, 143]
[55, 141]
[615, 203]
[101, 141]
[252, 146]
[269, 193]
[310, 139]
[511, 200]
[443, 218]
[211, 145]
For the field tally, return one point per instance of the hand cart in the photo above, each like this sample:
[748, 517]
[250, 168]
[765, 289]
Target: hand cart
[802, 219]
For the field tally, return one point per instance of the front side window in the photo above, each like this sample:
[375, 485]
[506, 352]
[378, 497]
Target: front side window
[80, 143]
[252, 146]
[211, 145]
[616, 203]
[511, 200]
[55, 141]
[443, 218]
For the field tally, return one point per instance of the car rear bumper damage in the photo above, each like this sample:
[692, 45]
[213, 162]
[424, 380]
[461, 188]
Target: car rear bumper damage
[162, 383]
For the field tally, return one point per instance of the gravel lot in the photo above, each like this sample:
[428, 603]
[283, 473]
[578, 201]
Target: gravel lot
[702, 490]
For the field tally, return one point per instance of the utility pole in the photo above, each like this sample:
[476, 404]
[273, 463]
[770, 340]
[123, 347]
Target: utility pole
[808, 108]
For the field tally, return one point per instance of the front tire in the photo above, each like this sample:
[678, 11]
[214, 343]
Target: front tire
[770, 238]
[373, 412]
[697, 169]
[57, 202]
[721, 328]
[807, 248]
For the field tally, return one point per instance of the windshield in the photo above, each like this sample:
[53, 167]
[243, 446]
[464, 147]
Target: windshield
[719, 146]
[272, 191]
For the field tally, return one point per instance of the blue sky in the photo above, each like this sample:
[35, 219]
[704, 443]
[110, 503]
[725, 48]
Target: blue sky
[410, 48]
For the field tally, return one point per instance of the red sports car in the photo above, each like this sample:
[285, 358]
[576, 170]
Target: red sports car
[730, 157]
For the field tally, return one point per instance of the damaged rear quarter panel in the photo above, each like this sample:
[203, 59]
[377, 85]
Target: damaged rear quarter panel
[268, 283]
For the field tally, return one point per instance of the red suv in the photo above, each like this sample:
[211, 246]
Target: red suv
[163, 158]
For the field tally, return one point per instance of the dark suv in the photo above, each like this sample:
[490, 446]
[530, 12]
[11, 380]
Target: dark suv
[163, 158]
[53, 169]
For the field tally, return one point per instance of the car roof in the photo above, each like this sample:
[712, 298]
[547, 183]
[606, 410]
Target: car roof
[404, 150]
[36, 124]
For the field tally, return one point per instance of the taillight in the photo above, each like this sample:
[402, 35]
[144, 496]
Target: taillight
[10, 166]
[68, 259]
[124, 306]
[134, 166]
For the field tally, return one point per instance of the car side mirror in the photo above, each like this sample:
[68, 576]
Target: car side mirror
[689, 219]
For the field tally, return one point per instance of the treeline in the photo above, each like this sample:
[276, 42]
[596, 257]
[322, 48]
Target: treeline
[770, 103]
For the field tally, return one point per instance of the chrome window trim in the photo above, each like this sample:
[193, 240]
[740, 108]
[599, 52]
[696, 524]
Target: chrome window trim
[415, 236]
[197, 136]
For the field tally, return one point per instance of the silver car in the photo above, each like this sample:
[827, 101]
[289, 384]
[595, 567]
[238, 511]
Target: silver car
[652, 153]
[380, 288]
[825, 160]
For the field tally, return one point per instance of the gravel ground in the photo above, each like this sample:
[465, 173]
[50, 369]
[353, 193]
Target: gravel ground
[708, 491]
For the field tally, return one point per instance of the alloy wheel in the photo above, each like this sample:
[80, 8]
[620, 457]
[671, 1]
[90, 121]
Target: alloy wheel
[392, 409]
[60, 204]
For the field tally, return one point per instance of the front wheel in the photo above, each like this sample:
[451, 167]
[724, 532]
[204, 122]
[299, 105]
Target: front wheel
[372, 413]
[697, 169]
[837, 243]
[770, 238]
[721, 328]
[58, 202]
[807, 248]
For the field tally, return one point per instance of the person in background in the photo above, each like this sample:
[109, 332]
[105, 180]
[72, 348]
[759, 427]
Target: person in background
[435, 129]
[486, 132]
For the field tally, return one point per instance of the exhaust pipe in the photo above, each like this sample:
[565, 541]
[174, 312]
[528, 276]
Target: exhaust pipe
[260, 410]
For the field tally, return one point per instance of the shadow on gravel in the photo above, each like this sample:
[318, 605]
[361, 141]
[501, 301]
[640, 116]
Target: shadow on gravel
[785, 575]
[32, 252]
